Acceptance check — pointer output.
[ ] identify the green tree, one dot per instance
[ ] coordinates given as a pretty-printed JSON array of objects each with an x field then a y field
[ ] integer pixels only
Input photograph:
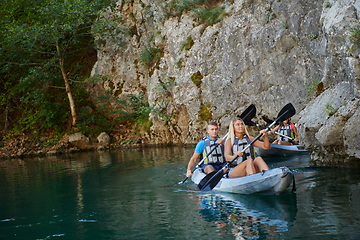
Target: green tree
[{"x": 37, "y": 39}]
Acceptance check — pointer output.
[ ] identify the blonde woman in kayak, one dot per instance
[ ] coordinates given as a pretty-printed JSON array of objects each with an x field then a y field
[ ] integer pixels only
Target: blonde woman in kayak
[{"x": 239, "y": 138}]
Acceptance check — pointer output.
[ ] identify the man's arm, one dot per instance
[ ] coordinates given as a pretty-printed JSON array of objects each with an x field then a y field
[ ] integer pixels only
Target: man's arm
[
  {"x": 220, "y": 141},
  {"x": 192, "y": 163}
]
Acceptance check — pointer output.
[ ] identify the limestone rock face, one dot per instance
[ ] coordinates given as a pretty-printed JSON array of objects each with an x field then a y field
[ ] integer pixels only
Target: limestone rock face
[
  {"x": 327, "y": 125},
  {"x": 315, "y": 116},
  {"x": 268, "y": 53},
  {"x": 351, "y": 135}
]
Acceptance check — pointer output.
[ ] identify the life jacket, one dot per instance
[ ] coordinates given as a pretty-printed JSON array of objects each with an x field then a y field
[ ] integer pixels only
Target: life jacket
[
  {"x": 216, "y": 156},
  {"x": 240, "y": 145},
  {"x": 287, "y": 131}
]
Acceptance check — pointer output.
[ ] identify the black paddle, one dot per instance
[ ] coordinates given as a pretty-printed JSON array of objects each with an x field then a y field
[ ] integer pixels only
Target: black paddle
[
  {"x": 213, "y": 178},
  {"x": 247, "y": 115},
  {"x": 268, "y": 120},
  {"x": 209, "y": 183}
]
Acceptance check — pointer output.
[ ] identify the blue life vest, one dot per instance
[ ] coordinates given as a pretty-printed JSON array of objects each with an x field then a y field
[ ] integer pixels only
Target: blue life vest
[
  {"x": 216, "y": 156},
  {"x": 240, "y": 145}
]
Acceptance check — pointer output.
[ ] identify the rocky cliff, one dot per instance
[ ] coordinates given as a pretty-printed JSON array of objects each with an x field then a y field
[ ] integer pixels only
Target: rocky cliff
[{"x": 264, "y": 52}]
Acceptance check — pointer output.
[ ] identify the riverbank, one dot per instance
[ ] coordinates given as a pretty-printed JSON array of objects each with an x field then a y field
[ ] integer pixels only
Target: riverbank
[{"x": 22, "y": 145}]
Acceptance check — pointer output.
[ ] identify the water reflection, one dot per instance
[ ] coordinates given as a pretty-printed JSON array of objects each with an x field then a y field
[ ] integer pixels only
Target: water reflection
[
  {"x": 80, "y": 204},
  {"x": 249, "y": 216},
  {"x": 120, "y": 195}
]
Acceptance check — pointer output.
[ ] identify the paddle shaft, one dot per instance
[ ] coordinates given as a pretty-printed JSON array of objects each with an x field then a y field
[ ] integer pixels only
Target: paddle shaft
[
  {"x": 284, "y": 136},
  {"x": 202, "y": 160}
]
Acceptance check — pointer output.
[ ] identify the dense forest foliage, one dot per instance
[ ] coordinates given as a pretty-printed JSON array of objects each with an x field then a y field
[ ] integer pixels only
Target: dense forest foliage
[{"x": 47, "y": 50}]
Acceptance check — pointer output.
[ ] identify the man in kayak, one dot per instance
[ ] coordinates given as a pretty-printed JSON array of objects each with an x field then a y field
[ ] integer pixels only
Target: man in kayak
[
  {"x": 287, "y": 133},
  {"x": 239, "y": 138},
  {"x": 213, "y": 161}
]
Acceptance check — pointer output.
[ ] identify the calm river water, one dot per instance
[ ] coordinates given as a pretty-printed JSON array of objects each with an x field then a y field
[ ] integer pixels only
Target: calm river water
[{"x": 125, "y": 194}]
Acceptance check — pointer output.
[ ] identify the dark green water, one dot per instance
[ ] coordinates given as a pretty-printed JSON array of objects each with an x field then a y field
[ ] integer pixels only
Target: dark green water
[{"x": 125, "y": 195}]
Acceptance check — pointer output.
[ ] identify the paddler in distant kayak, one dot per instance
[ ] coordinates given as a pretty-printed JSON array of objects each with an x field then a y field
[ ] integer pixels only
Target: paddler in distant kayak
[
  {"x": 239, "y": 138},
  {"x": 215, "y": 160},
  {"x": 287, "y": 133}
]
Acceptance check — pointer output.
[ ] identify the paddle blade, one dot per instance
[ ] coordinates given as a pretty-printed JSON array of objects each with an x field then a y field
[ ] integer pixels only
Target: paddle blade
[
  {"x": 181, "y": 182},
  {"x": 286, "y": 112},
  {"x": 210, "y": 181},
  {"x": 249, "y": 113},
  {"x": 267, "y": 120},
  {"x": 250, "y": 123}
]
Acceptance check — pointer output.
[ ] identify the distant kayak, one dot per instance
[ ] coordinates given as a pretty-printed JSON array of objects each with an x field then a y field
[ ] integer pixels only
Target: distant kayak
[
  {"x": 272, "y": 182},
  {"x": 277, "y": 150}
]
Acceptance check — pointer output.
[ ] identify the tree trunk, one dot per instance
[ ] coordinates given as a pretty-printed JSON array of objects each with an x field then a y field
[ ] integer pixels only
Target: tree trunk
[{"x": 67, "y": 85}]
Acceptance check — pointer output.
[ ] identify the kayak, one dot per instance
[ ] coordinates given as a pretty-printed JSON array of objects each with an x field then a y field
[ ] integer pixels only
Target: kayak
[
  {"x": 272, "y": 182},
  {"x": 277, "y": 150}
]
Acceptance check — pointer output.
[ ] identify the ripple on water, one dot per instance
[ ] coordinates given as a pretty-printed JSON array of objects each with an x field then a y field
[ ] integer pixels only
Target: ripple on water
[
  {"x": 8, "y": 220},
  {"x": 87, "y": 220}
]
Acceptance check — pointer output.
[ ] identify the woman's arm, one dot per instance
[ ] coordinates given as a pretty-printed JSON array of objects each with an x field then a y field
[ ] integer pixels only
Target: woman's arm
[
  {"x": 296, "y": 139},
  {"x": 296, "y": 133},
  {"x": 265, "y": 144},
  {"x": 272, "y": 131}
]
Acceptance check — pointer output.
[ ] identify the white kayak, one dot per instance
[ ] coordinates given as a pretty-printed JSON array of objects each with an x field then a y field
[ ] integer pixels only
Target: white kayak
[
  {"x": 272, "y": 182},
  {"x": 278, "y": 150}
]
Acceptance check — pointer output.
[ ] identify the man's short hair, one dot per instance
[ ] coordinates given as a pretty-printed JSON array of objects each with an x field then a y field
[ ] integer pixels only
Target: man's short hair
[{"x": 212, "y": 123}]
